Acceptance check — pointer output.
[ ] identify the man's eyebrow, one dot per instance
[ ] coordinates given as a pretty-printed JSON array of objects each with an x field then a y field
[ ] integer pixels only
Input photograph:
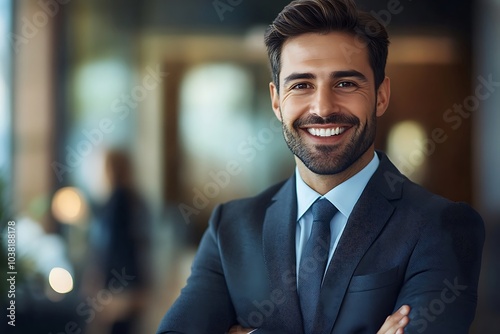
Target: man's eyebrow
[
  {"x": 298, "y": 76},
  {"x": 333, "y": 75},
  {"x": 348, "y": 74}
]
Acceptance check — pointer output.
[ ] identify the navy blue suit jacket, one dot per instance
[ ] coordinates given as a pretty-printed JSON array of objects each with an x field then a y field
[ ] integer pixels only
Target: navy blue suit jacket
[{"x": 401, "y": 245}]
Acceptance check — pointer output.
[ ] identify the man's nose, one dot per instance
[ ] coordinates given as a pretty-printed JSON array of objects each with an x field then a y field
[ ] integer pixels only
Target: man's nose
[{"x": 324, "y": 102}]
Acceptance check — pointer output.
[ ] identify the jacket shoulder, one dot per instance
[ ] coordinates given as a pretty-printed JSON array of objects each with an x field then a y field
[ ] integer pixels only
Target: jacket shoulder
[
  {"x": 396, "y": 186},
  {"x": 247, "y": 211},
  {"x": 261, "y": 200},
  {"x": 429, "y": 203}
]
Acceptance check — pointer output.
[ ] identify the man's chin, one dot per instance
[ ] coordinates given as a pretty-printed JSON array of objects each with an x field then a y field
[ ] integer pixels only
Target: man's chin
[{"x": 321, "y": 168}]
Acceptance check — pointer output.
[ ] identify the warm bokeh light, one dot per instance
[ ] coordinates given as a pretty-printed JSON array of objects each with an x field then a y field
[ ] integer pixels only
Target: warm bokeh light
[
  {"x": 60, "y": 280},
  {"x": 405, "y": 146},
  {"x": 68, "y": 205}
]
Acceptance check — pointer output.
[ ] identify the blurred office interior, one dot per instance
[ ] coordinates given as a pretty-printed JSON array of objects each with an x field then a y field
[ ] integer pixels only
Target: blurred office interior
[{"x": 180, "y": 89}]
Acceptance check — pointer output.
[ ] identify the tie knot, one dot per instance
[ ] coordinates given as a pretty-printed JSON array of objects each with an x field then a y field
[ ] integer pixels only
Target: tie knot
[{"x": 323, "y": 210}]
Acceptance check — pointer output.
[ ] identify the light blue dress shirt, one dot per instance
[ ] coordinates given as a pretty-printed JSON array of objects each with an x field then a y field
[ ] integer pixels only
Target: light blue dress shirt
[{"x": 344, "y": 197}]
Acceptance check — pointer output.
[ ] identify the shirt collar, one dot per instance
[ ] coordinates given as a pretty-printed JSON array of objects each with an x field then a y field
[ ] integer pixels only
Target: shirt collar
[{"x": 344, "y": 196}]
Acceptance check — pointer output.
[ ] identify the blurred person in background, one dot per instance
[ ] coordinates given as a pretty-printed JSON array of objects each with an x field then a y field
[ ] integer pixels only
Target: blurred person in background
[{"x": 117, "y": 272}]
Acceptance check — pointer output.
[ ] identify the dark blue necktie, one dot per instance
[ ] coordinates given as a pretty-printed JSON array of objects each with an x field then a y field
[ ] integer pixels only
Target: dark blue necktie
[{"x": 314, "y": 261}]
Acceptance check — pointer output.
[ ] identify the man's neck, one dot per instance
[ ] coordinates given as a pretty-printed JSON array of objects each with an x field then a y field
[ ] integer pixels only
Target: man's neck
[{"x": 324, "y": 183}]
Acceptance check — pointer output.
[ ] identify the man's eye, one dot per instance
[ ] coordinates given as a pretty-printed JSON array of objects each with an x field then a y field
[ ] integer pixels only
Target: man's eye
[
  {"x": 347, "y": 84},
  {"x": 301, "y": 86}
]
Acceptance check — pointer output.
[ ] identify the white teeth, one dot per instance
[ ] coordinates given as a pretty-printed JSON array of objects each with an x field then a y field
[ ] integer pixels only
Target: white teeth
[{"x": 326, "y": 132}]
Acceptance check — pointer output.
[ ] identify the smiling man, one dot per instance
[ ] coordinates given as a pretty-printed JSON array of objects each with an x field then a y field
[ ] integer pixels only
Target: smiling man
[{"x": 347, "y": 240}]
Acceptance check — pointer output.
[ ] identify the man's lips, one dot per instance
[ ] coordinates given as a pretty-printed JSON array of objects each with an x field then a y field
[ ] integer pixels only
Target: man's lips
[{"x": 326, "y": 131}]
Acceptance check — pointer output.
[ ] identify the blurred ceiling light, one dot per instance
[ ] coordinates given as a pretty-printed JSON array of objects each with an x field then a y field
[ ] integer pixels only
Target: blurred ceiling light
[
  {"x": 68, "y": 205},
  {"x": 60, "y": 280}
]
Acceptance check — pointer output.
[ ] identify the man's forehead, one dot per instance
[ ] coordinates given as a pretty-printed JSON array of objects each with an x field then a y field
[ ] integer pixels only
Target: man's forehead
[{"x": 333, "y": 49}]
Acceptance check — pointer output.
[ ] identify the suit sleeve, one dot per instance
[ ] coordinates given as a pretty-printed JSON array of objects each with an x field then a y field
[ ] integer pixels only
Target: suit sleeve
[
  {"x": 204, "y": 305},
  {"x": 442, "y": 275}
]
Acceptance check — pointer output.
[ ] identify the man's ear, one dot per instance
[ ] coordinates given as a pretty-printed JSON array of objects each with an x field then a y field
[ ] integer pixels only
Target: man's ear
[
  {"x": 275, "y": 100},
  {"x": 383, "y": 96}
]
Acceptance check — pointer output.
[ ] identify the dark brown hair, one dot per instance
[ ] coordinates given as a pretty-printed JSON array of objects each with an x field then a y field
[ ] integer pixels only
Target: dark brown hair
[{"x": 325, "y": 16}]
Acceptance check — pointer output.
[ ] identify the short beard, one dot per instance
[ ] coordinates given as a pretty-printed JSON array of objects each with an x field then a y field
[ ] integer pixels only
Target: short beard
[{"x": 329, "y": 159}]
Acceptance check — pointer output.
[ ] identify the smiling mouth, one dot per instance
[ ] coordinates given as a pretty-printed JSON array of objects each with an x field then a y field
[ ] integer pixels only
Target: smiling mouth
[{"x": 328, "y": 132}]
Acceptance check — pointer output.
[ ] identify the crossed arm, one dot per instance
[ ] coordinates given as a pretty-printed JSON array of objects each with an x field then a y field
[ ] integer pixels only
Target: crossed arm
[{"x": 394, "y": 324}]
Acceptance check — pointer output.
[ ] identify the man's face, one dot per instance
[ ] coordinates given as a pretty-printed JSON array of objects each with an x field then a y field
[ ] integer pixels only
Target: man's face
[{"x": 327, "y": 101}]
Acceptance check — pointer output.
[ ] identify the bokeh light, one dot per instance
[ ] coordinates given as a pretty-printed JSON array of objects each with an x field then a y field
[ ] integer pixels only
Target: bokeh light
[
  {"x": 60, "y": 280},
  {"x": 68, "y": 205},
  {"x": 405, "y": 146}
]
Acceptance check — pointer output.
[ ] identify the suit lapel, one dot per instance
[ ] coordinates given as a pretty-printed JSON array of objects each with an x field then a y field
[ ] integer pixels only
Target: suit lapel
[
  {"x": 367, "y": 219},
  {"x": 279, "y": 254}
]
